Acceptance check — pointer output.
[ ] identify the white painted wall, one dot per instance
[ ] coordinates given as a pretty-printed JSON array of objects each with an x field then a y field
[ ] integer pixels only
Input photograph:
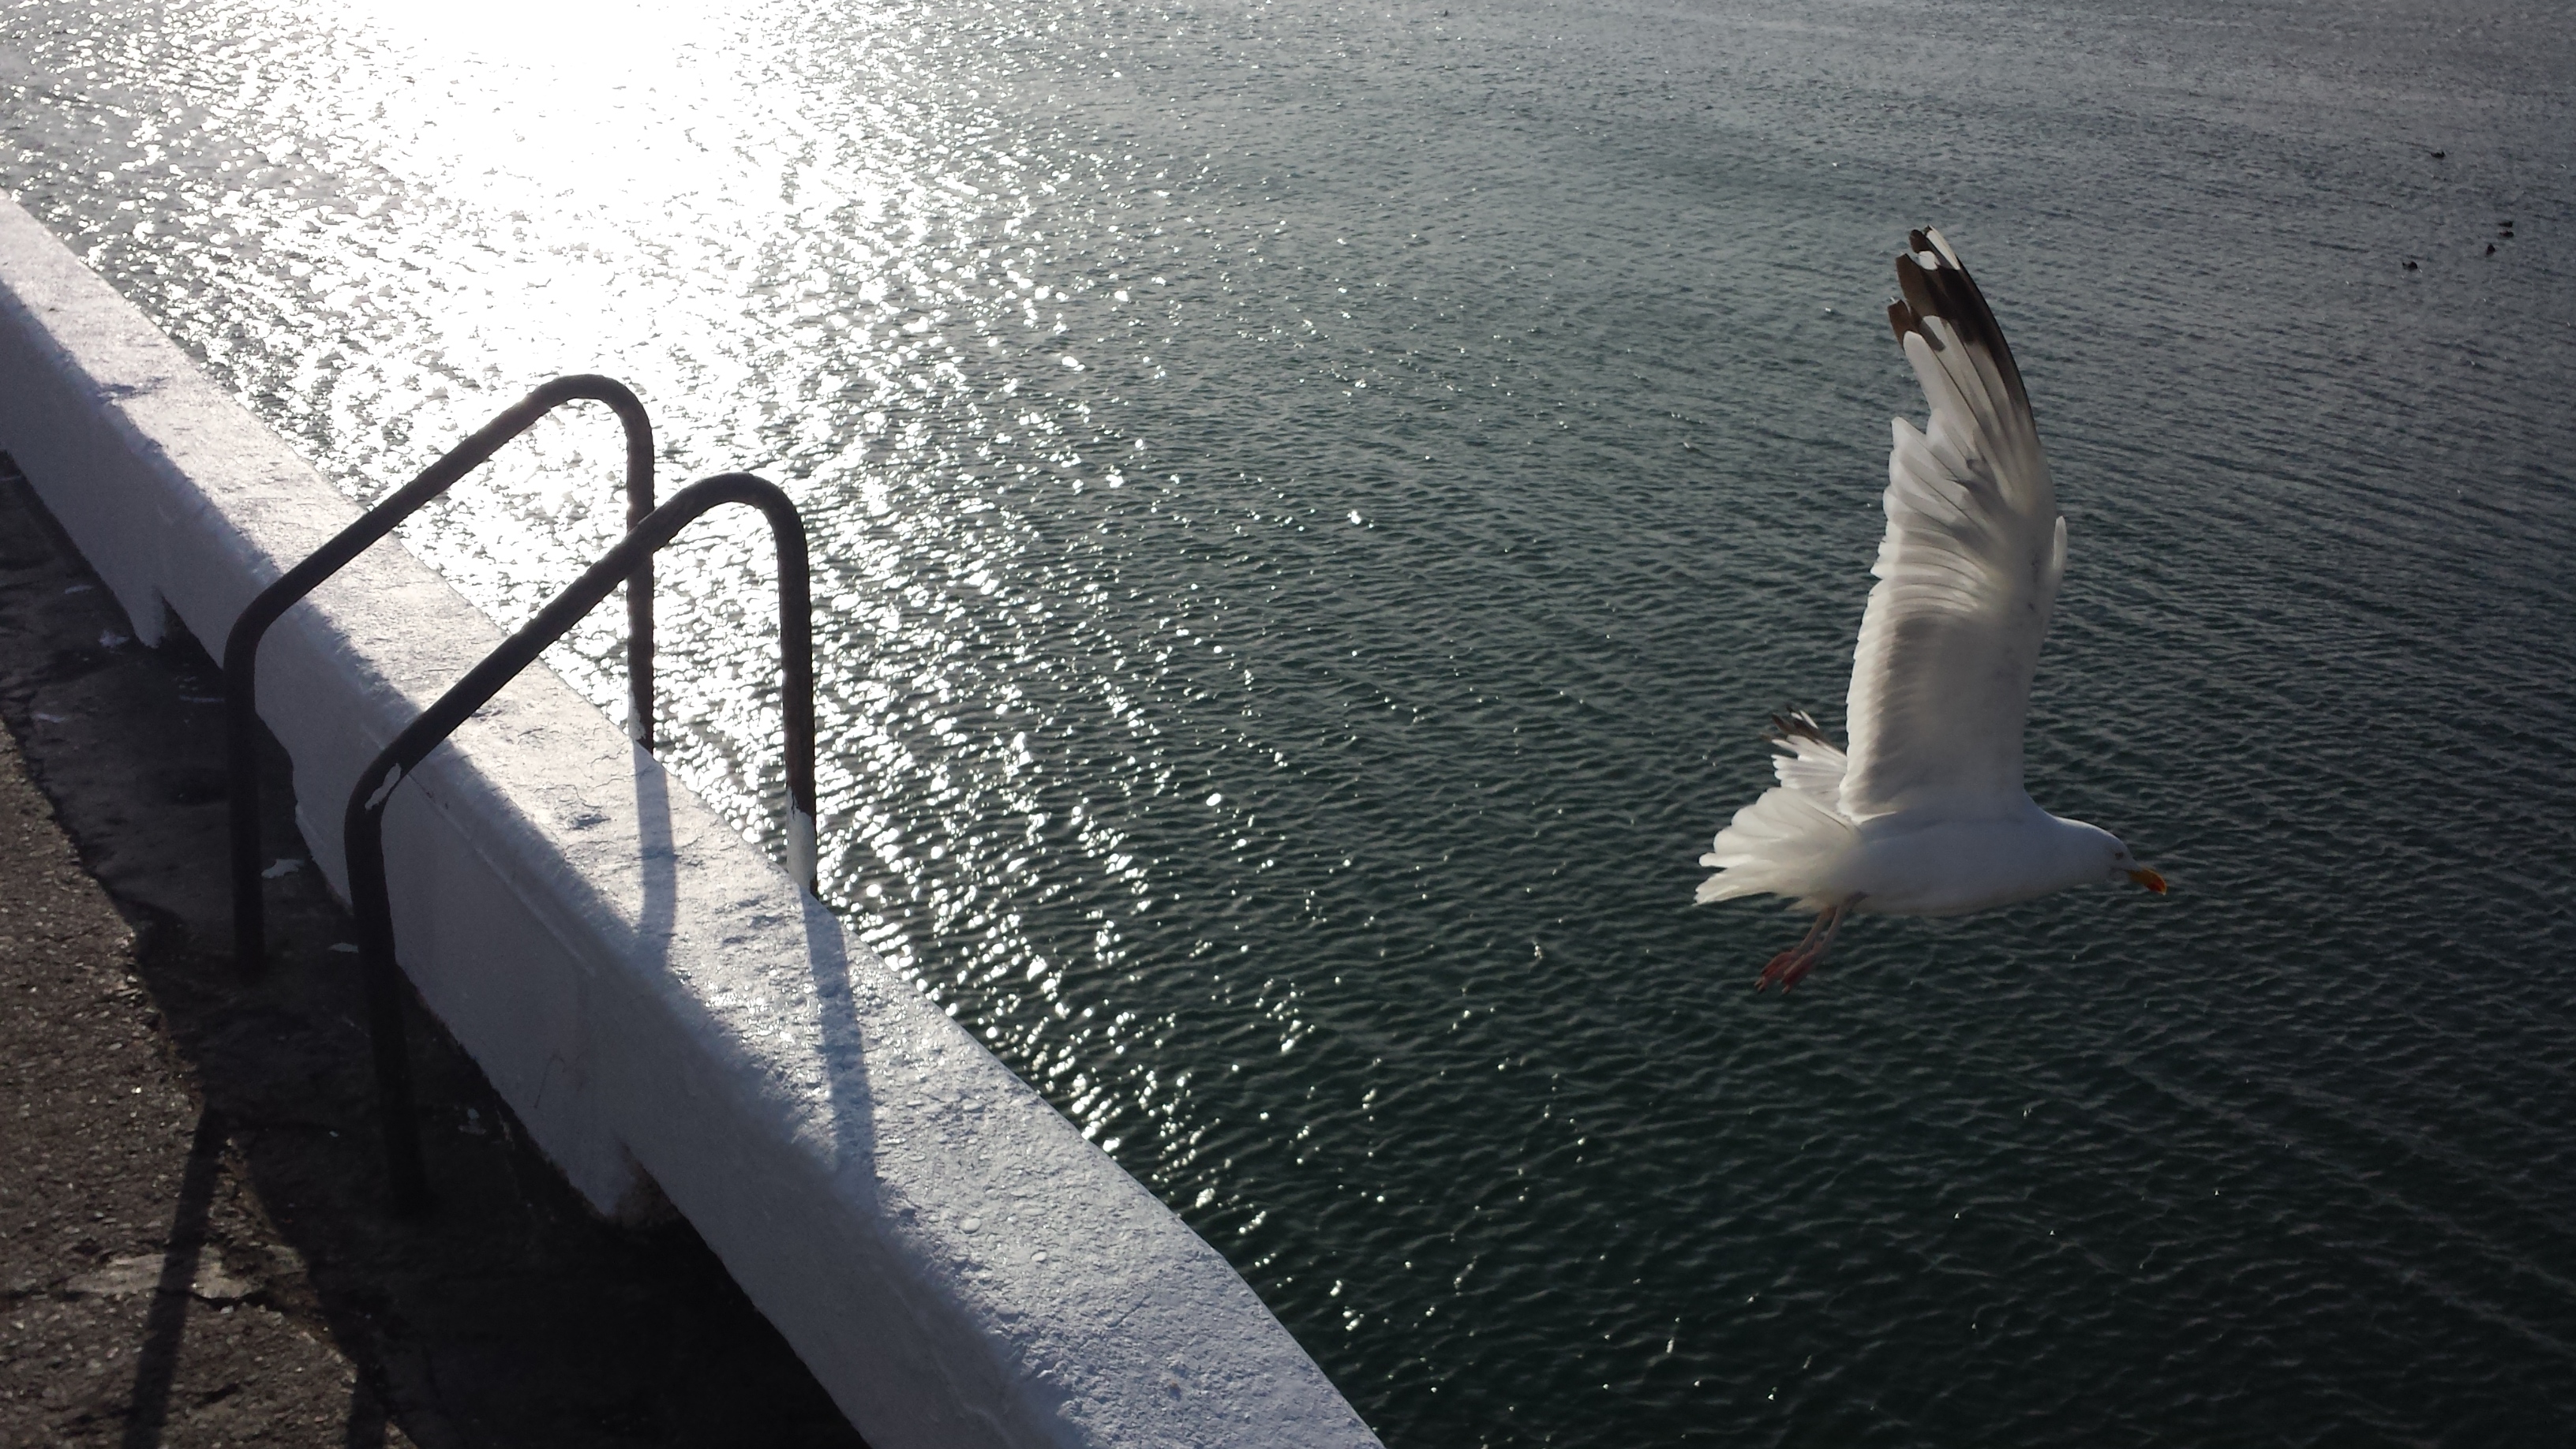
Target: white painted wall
[{"x": 957, "y": 1265}]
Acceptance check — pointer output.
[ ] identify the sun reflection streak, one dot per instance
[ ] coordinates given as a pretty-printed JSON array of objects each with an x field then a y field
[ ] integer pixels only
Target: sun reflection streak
[{"x": 843, "y": 265}]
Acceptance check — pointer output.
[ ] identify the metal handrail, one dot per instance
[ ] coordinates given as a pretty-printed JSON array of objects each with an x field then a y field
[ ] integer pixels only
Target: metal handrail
[
  {"x": 241, "y": 647},
  {"x": 362, "y": 831}
]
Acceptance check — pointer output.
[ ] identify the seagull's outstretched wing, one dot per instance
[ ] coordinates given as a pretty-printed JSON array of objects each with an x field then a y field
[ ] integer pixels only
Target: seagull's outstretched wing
[{"x": 1967, "y": 573}]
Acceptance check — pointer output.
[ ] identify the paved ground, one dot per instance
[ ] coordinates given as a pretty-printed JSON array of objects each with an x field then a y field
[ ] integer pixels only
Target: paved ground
[
  {"x": 193, "y": 1248},
  {"x": 125, "y": 1232}
]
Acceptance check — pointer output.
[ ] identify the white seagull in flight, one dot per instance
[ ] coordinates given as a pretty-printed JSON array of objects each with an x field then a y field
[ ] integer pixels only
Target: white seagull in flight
[{"x": 1924, "y": 814}]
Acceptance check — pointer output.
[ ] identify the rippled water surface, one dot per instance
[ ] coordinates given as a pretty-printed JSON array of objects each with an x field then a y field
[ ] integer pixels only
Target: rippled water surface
[{"x": 1313, "y": 504}]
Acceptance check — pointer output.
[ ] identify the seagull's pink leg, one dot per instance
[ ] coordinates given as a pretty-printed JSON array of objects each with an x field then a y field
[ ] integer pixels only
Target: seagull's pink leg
[
  {"x": 1785, "y": 962},
  {"x": 1810, "y": 957}
]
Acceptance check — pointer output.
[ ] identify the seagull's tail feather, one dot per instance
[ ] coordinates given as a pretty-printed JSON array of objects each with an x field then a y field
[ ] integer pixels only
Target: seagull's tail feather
[
  {"x": 1808, "y": 762},
  {"x": 1787, "y": 843}
]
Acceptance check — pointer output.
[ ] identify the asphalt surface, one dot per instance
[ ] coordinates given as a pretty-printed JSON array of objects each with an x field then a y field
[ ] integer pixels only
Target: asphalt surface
[{"x": 194, "y": 1243}]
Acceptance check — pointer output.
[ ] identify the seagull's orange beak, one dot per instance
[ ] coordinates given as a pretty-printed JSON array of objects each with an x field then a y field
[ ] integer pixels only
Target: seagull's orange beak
[{"x": 2149, "y": 879}]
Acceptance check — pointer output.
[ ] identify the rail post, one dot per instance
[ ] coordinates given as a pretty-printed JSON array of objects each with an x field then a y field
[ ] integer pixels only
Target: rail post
[
  {"x": 241, "y": 647},
  {"x": 363, "y": 822}
]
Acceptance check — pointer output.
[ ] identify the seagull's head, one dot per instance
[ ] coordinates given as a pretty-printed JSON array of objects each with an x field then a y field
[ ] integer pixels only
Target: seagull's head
[{"x": 2124, "y": 866}]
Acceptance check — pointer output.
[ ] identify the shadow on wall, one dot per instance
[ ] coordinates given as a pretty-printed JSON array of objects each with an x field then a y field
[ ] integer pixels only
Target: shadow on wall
[{"x": 510, "y": 1315}]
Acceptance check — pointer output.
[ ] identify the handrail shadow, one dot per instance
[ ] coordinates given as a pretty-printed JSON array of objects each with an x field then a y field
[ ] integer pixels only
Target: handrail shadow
[{"x": 363, "y": 823}]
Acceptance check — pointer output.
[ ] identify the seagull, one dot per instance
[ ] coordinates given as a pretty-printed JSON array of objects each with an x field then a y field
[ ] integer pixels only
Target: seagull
[{"x": 1924, "y": 813}]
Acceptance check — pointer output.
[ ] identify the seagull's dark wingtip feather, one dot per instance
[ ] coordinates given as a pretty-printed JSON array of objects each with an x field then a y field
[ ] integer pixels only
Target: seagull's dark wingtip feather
[
  {"x": 1917, "y": 286},
  {"x": 1945, "y": 290}
]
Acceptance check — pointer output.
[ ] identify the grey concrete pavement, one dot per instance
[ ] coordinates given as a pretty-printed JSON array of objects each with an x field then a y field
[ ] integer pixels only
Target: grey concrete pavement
[{"x": 148, "y": 1298}]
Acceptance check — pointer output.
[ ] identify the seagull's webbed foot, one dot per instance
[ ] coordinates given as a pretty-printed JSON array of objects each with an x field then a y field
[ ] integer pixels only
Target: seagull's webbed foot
[
  {"x": 1782, "y": 965},
  {"x": 1798, "y": 972},
  {"x": 1791, "y": 966}
]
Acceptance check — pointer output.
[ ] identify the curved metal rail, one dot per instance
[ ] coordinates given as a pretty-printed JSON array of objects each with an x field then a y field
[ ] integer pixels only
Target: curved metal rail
[
  {"x": 363, "y": 825},
  {"x": 241, "y": 648}
]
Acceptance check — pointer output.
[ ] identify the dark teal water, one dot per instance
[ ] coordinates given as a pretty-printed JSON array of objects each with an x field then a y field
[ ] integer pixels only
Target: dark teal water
[{"x": 1316, "y": 503}]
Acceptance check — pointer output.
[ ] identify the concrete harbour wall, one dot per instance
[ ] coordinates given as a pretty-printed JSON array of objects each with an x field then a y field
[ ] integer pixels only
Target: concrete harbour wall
[{"x": 656, "y": 1000}]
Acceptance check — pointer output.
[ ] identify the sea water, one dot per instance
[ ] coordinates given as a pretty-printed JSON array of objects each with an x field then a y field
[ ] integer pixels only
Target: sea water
[{"x": 1313, "y": 505}]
